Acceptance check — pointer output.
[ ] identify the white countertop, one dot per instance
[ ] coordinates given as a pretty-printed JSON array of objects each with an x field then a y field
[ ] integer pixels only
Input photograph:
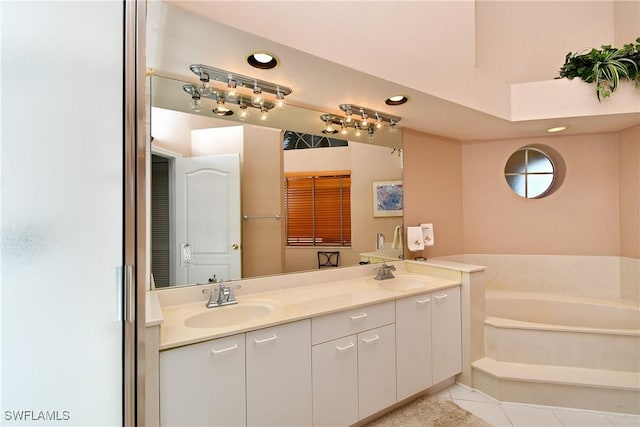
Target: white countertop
[{"x": 291, "y": 304}]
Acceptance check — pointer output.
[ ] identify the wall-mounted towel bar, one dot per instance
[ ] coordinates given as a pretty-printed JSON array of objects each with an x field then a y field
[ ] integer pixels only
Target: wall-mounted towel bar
[{"x": 276, "y": 216}]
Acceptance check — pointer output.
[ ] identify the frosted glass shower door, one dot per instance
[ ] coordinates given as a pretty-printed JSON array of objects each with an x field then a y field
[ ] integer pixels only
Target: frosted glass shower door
[{"x": 61, "y": 212}]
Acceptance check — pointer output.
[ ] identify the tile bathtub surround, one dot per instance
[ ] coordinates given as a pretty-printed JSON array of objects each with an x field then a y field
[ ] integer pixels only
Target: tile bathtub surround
[
  {"x": 505, "y": 414},
  {"x": 608, "y": 277}
]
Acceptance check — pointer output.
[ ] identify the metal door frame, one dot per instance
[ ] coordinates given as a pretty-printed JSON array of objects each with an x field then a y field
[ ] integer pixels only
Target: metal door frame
[{"x": 135, "y": 223}]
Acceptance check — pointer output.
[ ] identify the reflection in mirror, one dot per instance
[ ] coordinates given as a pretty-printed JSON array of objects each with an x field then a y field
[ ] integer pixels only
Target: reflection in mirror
[{"x": 198, "y": 233}]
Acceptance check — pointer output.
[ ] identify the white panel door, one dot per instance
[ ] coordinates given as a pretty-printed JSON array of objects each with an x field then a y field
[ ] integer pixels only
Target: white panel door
[{"x": 207, "y": 218}]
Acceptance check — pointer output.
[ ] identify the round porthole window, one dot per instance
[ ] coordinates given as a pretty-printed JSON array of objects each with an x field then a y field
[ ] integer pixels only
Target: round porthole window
[{"x": 530, "y": 172}]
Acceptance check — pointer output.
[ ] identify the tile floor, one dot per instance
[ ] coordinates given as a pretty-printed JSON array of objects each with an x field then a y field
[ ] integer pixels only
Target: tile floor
[{"x": 504, "y": 414}]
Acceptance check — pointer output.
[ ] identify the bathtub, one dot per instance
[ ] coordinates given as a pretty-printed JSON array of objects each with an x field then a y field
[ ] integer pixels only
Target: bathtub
[{"x": 549, "y": 311}]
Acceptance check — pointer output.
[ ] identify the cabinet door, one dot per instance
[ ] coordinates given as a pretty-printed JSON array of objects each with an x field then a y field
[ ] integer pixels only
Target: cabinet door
[
  {"x": 446, "y": 334},
  {"x": 335, "y": 382},
  {"x": 279, "y": 375},
  {"x": 376, "y": 370},
  {"x": 413, "y": 344},
  {"x": 204, "y": 384}
]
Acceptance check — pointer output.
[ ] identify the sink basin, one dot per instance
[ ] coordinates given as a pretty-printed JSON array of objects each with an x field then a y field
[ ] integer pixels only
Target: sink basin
[
  {"x": 403, "y": 283},
  {"x": 221, "y": 317}
]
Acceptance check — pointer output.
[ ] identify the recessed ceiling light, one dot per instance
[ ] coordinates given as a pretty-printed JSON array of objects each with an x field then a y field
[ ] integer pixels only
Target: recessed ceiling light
[
  {"x": 557, "y": 129},
  {"x": 262, "y": 60},
  {"x": 396, "y": 100}
]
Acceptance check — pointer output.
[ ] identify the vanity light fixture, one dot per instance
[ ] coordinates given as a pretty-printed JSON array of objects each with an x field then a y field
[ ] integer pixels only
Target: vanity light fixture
[
  {"x": 208, "y": 74},
  {"x": 365, "y": 122},
  {"x": 222, "y": 101}
]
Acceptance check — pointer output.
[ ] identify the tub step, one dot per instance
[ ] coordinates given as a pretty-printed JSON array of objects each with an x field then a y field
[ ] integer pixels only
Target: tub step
[
  {"x": 596, "y": 389},
  {"x": 555, "y": 347}
]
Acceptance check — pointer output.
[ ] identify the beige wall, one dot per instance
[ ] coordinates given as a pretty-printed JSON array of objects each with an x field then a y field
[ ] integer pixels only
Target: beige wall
[
  {"x": 262, "y": 239},
  {"x": 433, "y": 190},
  {"x": 580, "y": 218},
  {"x": 629, "y": 178}
]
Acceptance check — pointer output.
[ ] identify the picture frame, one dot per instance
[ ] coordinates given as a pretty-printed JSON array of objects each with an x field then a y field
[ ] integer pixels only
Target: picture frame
[{"x": 387, "y": 198}]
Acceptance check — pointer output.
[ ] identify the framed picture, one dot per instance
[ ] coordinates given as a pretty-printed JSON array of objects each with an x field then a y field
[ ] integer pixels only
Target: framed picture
[{"x": 387, "y": 198}]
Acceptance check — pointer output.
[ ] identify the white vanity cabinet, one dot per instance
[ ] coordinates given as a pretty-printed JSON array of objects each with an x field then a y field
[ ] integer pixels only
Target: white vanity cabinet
[
  {"x": 376, "y": 370},
  {"x": 413, "y": 344},
  {"x": 428, "y": 340},
  {"x": 279, "y": 375},
  {"x": 354, "y": 372},
  {"x": 446, "y": 339},
  {"x": 335, "y": 382},
  {"x": 204, "y": 384}
]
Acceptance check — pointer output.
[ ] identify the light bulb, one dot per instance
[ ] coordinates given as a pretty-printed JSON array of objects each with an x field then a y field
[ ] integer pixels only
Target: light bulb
[
  {"x": 265, "y": 113},
  {"x": 244, "y": 111},
  {"x": 196, "y": 104},
  {"x": 365, "y": 119},
  {"x": 392, "y": 126},
  {"x": 231, "y": 84},
  {"x": 279, "y": 99},
  {"x": 358, "y": 133},
  {"x": 348, "y": 117},
  {"x": 329, "y": 126},
  {"x": 221, "y": 109},
  {"x": 205, "y": 89},
  {"x": 378, "y": 121},
  {"x": 257, "y": 95},
  {"x": 343, "y": 131}
]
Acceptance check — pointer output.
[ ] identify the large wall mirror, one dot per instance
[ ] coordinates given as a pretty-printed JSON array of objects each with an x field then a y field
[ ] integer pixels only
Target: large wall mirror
[{"x": 198, "y": 161}]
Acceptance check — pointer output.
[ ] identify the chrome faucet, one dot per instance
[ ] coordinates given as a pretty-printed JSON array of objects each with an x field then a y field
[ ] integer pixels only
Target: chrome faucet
[
  {"x": 385, "y": 272},
  {"x": 223, "y": 295}
]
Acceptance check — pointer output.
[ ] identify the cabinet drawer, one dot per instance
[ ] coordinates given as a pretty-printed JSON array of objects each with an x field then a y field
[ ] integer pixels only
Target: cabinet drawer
[{"x": 348, "y": 322}]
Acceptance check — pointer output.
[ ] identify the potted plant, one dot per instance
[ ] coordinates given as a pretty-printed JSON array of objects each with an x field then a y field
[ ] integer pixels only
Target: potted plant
[{"x": 605, "y": 67}]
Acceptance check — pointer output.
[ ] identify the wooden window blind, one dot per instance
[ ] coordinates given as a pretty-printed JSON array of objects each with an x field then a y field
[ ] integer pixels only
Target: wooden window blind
[{"x": 318, "y": 208}]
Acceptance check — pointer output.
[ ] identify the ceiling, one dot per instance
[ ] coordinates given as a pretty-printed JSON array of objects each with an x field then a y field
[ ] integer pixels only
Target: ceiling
[{"x": 458, "y": 61}]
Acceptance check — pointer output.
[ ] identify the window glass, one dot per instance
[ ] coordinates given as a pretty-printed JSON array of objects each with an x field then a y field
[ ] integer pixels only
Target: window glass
[{"x": 529, "y": 172}]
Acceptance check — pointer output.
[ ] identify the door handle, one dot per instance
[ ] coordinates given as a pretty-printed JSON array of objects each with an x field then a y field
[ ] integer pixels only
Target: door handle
[{"x": 235, "y": 246}]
